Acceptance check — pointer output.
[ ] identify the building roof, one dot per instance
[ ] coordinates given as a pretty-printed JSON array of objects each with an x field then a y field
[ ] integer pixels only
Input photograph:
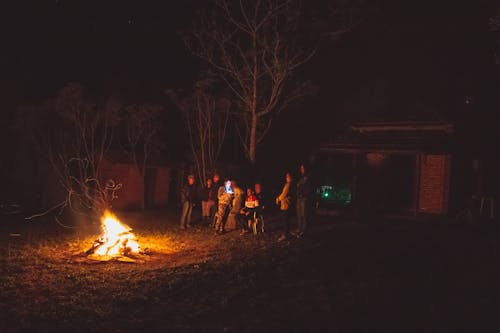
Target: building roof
[{"x": 397, "y": 137}]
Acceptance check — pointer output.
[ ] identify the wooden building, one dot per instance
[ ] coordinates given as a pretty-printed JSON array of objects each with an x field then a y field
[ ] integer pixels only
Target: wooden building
[
  {"x": 153, "y": 187},
  {"x": 402, "y": 168}
]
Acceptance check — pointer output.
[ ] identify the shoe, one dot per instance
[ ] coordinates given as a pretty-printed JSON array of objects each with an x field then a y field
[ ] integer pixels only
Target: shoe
[
  {"x": 243, "y": 232},
  {"x": 182, "y": 227}
]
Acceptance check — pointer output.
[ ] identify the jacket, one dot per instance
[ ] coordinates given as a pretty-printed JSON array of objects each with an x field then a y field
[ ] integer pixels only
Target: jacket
[
  {"x": 284, "y": 200},
  {"x": 251, "y": 202},
  {"x": 261, "y": 200},
  {"x": 224, "y": 198},
  {"x": 303, "y": 187},
  {"x": 188, "y": 194},
  {"x": 237, "y": 200},
  {"x": 208, "y": 194},
  {"x": 216, "y": 187}
]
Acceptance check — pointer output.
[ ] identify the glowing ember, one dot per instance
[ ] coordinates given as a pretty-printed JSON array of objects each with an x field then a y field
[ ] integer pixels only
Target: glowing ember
[{"x": 116, "y": 238}]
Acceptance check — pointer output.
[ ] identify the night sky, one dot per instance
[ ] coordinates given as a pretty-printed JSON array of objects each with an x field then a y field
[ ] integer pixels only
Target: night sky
[{"x": 406, "y": 60}]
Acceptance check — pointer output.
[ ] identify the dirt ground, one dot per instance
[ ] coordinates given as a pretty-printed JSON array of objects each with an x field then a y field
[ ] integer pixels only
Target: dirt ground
[{"x": 342, "y": 277}]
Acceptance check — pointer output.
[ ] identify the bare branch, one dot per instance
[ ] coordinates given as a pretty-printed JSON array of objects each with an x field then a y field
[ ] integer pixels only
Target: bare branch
[
  {"x": 254, "y": 49},
  {"x": 206, "y": 118},
  {"x": 74, "y": 152}
]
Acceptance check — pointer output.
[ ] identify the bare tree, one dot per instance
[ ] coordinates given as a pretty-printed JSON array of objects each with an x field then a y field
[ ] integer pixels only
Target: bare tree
[
  {"x": 75, "y": 134},
  {"x": 141, "y": 126},
  {"x": 206, "y": 119},
  {"x": 251, "y": 46}
]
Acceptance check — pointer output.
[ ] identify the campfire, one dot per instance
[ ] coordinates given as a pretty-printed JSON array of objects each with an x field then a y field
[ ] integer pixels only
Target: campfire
[{"x": 115, "y": 240}]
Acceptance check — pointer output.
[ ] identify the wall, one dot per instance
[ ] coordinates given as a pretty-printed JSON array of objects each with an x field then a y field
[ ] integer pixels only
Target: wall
[
  {"x": 132, "y": 191},
  {"x": 434, "y": 184}
]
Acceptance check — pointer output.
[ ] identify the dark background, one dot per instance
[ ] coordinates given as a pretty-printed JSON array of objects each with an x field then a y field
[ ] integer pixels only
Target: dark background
[{"x": 406, "y": 60}]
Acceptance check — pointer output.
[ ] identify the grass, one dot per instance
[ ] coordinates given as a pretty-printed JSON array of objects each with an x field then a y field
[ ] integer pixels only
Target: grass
[{"x": 343, "y": 277}]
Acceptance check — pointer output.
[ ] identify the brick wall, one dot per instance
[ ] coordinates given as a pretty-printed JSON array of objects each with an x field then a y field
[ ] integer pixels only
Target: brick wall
[{"x": 434, "y": 187}]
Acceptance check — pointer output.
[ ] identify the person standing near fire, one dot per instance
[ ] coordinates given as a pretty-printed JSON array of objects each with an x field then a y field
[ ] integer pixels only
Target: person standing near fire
[
  {"x": 213, "y": 210},
  {"x": 284, "y": 200},
  {"x": 260, "y": 197},
  {"x": 187, "y": 196},
  {"x": 225, "y": 198},
  {"x": 303, "y": 197},
  {"x": 236, "y": 205},
  {"x": 208, "y": 195},
  {"x": 262, "y": 203}
]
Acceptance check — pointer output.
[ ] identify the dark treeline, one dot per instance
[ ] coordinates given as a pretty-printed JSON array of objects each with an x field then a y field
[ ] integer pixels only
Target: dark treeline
[{"x": 405, "y": 61}]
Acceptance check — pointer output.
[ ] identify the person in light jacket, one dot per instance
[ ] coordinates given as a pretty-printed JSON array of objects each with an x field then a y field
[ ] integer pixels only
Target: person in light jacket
[
  {"x": 236, "y": 205},
  {"x": 284, "y": 200},
  {"x": 225, "y": 198}
]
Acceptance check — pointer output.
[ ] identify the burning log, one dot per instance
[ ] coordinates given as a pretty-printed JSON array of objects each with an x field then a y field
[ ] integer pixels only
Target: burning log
[
  {"x": 116, "y": 239},
  {"x": 97, "y": 244}
]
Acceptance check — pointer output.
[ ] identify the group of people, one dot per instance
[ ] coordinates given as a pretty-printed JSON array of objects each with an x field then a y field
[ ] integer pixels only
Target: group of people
[{"x": 225, "y": 204}]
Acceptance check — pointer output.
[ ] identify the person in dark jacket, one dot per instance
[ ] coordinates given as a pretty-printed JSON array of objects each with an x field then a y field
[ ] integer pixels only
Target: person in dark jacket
[
  {"x": 303, "y": 194},
  {"x": 208, "y": 196},
  {"x": 262, "y": 204},
  {"x": 188, "y": 194},
  {"x": 260, "y": 196},
  {"x": 216, "y": 184}
]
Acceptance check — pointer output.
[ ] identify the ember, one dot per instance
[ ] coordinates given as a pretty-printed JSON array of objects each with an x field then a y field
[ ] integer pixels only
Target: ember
[{"x": 116, "y": 238}]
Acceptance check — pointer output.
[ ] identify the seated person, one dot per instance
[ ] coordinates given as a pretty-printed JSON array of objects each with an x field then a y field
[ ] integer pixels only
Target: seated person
[{"x": 251, "y": 206}]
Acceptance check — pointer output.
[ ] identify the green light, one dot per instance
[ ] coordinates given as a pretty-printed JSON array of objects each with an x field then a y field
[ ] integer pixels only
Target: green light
[{"x": 336, "y": 195}]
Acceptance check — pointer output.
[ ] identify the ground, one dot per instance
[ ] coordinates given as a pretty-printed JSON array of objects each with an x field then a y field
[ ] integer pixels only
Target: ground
[{"x": 385, "y": 276}]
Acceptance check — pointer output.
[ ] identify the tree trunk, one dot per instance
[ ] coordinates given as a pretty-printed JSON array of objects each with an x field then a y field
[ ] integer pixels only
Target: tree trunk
[{"x": 252, "y": 139}]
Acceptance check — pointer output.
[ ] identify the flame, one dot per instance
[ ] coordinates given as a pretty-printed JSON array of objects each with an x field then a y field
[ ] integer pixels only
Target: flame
[{"x": 116, "y": 238}]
